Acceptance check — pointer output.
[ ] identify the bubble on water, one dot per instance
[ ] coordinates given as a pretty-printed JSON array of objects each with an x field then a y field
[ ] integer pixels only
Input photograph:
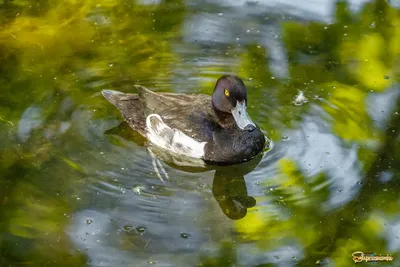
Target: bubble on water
[
  {"x": 127, "y": 228},
  {"x": 185, "y": 235},
  {"x": 237, "y": 38},
  {"x": 294, "y": 258},
  {"x": 326, "y": 27},
  {"x": 141, "y": 229},
  {"x": 111, "y": 64},
  {"x": 89, "y": 221},
  {"x": 285, "y": 138},
  {"x": 220, "y": 14},
  {"x": 318, "y": 262},
  {"x": 151, "y": 262},
  {"x": 137, "y": 189},
  {"x": 248, "y": 31},
  {"x": 201, "y": 185},
  {"x": 372, "y": 25},
  {"x": 300, "y": 99}
]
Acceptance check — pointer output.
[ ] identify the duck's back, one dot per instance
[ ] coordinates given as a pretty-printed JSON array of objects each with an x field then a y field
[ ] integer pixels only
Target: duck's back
[{"x": 191, "y": 114}]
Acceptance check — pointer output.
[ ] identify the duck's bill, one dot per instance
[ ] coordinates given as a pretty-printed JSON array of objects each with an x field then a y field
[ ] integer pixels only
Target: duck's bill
[{"x": 242, "y": 118}]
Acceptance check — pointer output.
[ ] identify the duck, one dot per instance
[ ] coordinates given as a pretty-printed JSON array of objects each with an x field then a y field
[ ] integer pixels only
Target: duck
[{"x": 215, "y": 129}]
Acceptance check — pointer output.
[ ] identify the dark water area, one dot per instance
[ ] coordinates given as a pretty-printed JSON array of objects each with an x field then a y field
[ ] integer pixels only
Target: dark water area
[{"x": 78, "y": 187}]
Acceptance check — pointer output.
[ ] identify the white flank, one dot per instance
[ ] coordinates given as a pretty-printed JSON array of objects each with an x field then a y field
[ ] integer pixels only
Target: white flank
[{"x": 172, "y": 140}]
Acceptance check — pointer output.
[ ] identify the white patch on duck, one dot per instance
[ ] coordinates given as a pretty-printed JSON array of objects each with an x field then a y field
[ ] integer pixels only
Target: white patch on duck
[{"x": 173, "y": 140}]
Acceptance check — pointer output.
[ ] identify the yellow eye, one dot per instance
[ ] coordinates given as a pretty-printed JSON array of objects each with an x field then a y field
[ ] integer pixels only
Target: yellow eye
[{"x": 226, "y": 92}]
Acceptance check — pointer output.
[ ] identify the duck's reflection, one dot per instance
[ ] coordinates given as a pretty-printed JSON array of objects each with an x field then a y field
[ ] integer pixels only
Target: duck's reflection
[
  {"x": 231, "y": 194},
  {"x": 229, "y": 186}
]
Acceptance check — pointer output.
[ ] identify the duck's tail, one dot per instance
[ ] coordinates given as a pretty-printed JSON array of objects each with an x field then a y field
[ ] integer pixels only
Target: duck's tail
[
  {"x": 130, "y": 107},
  {"x": 112, "y": 96}
]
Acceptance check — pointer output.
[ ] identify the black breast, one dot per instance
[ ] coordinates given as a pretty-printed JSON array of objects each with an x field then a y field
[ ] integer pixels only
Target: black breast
[
  {"x": 230, "y": 146},
  {"x": 201, "y": 126}
]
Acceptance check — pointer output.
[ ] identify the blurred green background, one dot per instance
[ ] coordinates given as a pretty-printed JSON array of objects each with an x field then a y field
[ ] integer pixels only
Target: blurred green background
[{"x": 78, "y": 189}]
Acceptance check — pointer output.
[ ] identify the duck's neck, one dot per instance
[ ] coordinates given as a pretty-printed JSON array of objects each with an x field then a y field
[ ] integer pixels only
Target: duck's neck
[{"x": 225, "y": 119}]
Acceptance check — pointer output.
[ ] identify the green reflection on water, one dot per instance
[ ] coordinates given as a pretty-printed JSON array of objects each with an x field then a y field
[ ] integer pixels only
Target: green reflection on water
[{"x": 57, "y": 55}]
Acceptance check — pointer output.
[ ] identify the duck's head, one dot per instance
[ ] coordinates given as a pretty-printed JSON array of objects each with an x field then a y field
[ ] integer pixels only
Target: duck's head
[{"x": 230, "y": 97}]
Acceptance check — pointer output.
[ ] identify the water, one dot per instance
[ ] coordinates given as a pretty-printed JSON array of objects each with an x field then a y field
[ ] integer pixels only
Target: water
[{"x": 77, "y": 186}]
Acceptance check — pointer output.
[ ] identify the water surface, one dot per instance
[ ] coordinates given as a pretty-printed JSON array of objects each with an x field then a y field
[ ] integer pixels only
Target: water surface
[{"x": 78, "y": 187}]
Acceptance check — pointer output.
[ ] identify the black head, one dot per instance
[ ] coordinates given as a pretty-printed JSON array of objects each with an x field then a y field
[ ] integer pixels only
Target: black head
[{"x": 230, "y": 97}]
